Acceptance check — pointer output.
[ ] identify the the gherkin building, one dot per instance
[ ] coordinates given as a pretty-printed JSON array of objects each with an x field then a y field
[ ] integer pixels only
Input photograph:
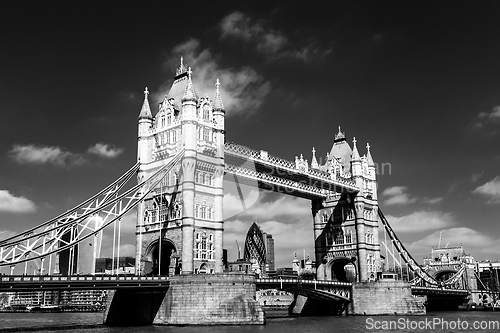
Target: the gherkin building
[{"x": 255, "y": 247}]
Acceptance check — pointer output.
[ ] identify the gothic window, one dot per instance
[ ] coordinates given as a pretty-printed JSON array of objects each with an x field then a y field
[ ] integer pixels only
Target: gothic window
[
  {"x": 348, "y": 237},
  {"x": 162, "y": 121},
  {"x": 173, "y": 136},
  {"x": 202, "y": 178},
  {"x": 206, "y": 113},
  {"x": 206, "y": 135},
  {"x": 203, "y": 212},
  {"x": 339, "y": 239},
  {"x": 196, "y": 211},
  {"x": 167, "y": 135},
  {"x": 209, "y": 214},
  {"x": 169, "y": 119},
  {"x": 199, "y": 132},
  {"x": 325, "y": 217},
  {"x": 211, "y": 239}
]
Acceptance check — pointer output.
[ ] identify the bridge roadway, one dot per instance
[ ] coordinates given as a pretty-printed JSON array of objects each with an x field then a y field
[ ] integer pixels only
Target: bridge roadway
[{"x": 12, "y": 283}]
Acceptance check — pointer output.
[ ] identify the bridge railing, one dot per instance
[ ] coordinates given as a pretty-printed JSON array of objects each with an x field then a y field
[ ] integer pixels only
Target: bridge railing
[
  {"x": 306, "y": 282},
  {"x": 94, "y": 278}
]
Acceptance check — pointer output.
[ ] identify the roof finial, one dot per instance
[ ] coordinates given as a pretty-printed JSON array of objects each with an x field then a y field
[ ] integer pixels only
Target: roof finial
[
  {"x": 182, "y": 64},
  {"x": 314, "y": 162},
  {"x": 189, "y": 93},
  {"x": 368, "y": 147},
  {"x": 218, "y": 99},
  {"x": 355, "y": 153},
  {"x": 145, "y": 110},
  {"x": 339, "y": 136}
]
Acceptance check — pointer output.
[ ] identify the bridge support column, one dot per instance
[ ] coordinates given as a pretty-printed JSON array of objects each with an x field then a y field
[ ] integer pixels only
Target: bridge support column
[
  {"x": 384, "y": 298},
  {"x": 206, "y": 299}
]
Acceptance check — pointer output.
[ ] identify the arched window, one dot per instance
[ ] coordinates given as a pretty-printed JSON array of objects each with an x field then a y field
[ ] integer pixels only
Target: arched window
[
  {"x": 162, "y": 121},
  {"x": 348, "y": 237},
  {"x": 206, "y": 135},
  {"x": 206, "y": 113},
  {"x": 169, "y": 119}
]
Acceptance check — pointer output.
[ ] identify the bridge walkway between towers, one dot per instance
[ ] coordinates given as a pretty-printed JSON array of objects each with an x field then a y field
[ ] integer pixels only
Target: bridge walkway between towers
[{"x": 277, "y": 174}]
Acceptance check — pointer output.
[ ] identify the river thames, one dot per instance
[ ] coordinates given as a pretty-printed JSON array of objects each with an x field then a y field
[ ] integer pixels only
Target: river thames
[{"x": 278, "y": 323}]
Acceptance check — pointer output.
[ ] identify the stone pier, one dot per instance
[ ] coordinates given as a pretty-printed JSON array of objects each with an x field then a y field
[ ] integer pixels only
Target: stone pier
[
  {"x": 220, "y": 299},
  {"x": 390, "y": 297}
]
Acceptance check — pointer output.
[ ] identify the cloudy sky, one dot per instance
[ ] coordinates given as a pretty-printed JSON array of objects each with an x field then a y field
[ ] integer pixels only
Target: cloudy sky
[{"x": 419, "y": 81}]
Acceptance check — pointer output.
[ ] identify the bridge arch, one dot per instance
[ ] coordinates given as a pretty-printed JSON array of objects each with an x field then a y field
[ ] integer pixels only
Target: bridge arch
[
  {"x": 444, "y": 274},
  {"x": 165, "y": 262},
  {"x": 341, "y": 269}
]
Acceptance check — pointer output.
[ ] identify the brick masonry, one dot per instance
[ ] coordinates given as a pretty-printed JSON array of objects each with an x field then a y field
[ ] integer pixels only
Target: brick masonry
[{"x": 384, "y": 298}]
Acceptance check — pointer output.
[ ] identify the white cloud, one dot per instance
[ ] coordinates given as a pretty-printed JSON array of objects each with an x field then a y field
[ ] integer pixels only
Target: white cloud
[
  {"x": 242, "y": 89},
  {"x": 490, "y": 190},
  {"x": 38, "y": 154},
  {"x": 4, "y": 234},
  {"x": 283, "y": 207},
  {"x": 432, "y": 201},
  {"x": 272, "y": 43},
  {"x": 12, "y": 204},
  {"x": 105, "y": 150},
  {"x": 396, "y": 196},
  {"x": 479, "y": 245},
  {"x": 421, "y": 221},
  {"x": 494, "y": 114}
]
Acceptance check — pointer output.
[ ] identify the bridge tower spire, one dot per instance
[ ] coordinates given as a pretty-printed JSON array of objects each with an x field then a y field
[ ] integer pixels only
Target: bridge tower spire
[{"x": 144, "y": 135}]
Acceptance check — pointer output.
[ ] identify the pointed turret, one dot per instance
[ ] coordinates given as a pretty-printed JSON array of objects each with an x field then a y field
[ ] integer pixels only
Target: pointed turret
[
  {"x": 356, "y": 167},
  {"x": 314, "y": 162},
  {"x": 145, "y": 110},
  {"x": 218, "y": 99},
  {"x": 189, "y": 93},
  {"x": 369, "y": 158},
  {"x": 355, "y": 153}
]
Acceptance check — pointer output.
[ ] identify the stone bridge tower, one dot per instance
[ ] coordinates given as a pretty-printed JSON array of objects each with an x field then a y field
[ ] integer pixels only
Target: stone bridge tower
[
  {"x": 346, "y": 225},
  {"x": 179, "y": 226}
]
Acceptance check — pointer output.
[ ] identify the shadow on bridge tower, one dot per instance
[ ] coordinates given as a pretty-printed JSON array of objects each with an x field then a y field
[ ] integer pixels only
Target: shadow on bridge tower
[{"x": 346, "y": 225}]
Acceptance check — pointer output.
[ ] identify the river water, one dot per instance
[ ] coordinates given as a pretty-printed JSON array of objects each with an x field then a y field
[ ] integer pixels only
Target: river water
[{"x": 278, "y": 323}]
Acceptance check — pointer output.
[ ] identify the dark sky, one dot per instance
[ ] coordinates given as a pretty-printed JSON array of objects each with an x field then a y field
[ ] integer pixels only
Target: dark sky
[{"x": 418, "y": 80}]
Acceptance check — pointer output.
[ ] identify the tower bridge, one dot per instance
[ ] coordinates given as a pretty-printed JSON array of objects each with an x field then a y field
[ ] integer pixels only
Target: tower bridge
[{"x": 182, "y": 161}]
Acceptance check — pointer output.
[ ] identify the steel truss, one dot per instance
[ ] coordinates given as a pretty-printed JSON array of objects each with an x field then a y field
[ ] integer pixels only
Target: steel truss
[
  {"x": 83, "y": 221},
  {"x": 423, "y": 278}
]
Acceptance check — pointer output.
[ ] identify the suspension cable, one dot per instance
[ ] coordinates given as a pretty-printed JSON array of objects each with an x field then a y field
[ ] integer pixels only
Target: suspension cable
[{"x": 17, "y": 253}]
